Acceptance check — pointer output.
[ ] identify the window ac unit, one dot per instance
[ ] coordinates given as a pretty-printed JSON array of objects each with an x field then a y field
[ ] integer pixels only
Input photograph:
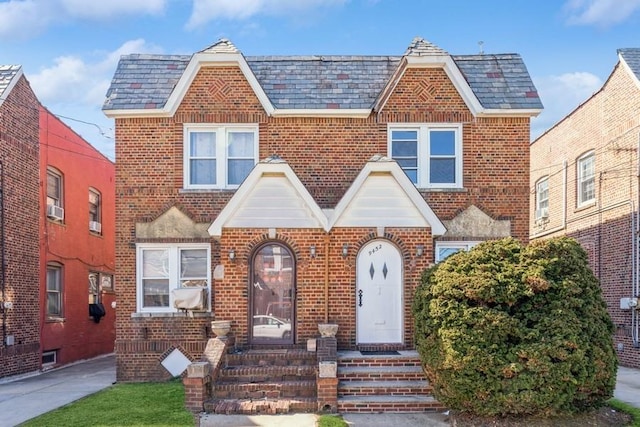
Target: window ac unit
[
  {"x": 55, "y": 212},
  {"x": 191, "y": 299},
  {"x": 95, "y": 226},
  {"x": 542, "y": 213}
]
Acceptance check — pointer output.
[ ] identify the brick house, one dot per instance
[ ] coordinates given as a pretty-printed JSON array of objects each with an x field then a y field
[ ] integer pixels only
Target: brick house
[
  {"x": 77, "y": 247},
  {"x": 57, "y": 230},
  {"x": 584, "y": 181},
  {"x": 19, "y": 224},
  {"x": 304, "y": 190}
]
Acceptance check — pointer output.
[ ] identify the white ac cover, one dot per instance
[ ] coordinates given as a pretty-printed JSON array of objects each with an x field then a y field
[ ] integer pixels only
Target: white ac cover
[{"x": 194, "y": 299}]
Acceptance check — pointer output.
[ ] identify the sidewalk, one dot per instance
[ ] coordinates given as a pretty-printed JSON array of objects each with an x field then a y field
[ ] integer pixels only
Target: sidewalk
[
  {"x": 28, "y": 397},
  {"x": 24, "y": 398}
]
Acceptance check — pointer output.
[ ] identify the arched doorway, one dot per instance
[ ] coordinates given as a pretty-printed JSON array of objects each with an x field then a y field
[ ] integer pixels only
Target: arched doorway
[
  {"x": 272, "y": 295},
  {"x": 379, "y": 294}
]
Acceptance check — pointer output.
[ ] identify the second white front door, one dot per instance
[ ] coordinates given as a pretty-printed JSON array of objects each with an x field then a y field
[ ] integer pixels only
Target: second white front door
[{"x": 379, "y": 294}]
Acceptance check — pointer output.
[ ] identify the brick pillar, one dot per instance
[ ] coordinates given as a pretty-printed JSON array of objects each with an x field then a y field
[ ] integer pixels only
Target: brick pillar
[
  {"x": 326, "y": 380},
  {"x": 197, "y": 386}
]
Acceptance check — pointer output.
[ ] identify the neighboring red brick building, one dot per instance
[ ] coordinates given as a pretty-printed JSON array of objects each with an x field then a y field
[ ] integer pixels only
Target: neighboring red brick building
[
  {"x": 374, "y": 168},
  {"x": 584, "y": 178},
  {"x": 57, "y": 228},
  {"x": 19, "y": 224},
  {"x": 77, "y": 246}
]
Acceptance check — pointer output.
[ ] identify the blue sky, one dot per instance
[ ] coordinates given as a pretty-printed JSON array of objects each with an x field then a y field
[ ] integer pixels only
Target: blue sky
[{"x": 69, "y": 48}]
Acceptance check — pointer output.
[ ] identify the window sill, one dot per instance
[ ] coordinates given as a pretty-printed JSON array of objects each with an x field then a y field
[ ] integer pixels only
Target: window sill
[
  {"x": 205, "y": 190},
  {"x": 196, "y": 314},
  {"x": 443, "y": 190},
  {"x": 585, "y": 206},
  {"x": 55, "y": 319}
]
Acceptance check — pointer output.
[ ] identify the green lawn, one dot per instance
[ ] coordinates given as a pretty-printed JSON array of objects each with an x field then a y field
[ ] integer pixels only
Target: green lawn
[{"x": 143, "y": 404}]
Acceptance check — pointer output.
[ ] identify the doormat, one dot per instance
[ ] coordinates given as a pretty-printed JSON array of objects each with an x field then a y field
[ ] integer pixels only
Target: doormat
[{"x": 379, "y": 353}]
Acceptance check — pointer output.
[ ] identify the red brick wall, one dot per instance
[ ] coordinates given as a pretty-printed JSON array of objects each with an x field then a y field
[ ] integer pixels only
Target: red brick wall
[
  {"x": 20, "y": 194},
  {"x": 326, "y": 154},
  {"x": 76, "y": 336},
  {"x": 609, "y": 124}
]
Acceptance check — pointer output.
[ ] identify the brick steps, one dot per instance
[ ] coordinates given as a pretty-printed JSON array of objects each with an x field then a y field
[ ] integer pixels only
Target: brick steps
[
  {"x": 370, "y": 384},
  {"x": 265, "y": 382}
]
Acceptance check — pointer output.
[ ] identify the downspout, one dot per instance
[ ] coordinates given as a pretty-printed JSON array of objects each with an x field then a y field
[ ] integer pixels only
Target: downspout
[
  {"x": 635, "y": 286},
  {"x": 326, "y": 278},
  {"x": 2, "y": 258}
]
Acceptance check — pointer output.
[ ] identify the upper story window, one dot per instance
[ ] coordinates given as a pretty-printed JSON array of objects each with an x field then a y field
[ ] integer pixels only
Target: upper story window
[
  {"x": 430, "y": 154},
  {"x": 95, "y": 206},
  {"x": 542, "y": 198},
  {"x": 163, "y": 268},
  {"x": 586, "y": 179},
  {"x": 55, "y": 203},
  {"x": 219, "y": 156},
  {"x": 445, "y": 249},
  {"x": 54, "y": 290}
]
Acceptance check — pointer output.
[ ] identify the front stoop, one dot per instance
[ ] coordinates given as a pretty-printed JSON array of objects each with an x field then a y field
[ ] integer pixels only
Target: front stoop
[
  {"x": 265, "y": 382},
  {"x": 371, "y": 384}
]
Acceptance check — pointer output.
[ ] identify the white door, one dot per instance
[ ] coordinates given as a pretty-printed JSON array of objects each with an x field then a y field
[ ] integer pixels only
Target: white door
[{"x": 379, "y": 294}]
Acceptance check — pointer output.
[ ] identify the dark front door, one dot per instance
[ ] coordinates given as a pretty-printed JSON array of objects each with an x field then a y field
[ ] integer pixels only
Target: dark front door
[{"x": 272, "y": 294}]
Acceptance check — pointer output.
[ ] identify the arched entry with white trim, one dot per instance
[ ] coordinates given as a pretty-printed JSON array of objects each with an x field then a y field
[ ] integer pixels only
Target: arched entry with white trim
[{"x": 379, "y": 287}]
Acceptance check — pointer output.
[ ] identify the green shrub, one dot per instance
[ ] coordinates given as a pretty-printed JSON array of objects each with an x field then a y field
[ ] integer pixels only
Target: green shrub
[{"x": 508, "y": 329}]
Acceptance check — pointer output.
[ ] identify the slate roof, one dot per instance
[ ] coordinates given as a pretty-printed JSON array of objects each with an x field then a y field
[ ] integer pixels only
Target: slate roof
[
  {"x": 632, "y": 57},
  {"x": 321, "y": 82},
  {"x": 7, "y": 73}
]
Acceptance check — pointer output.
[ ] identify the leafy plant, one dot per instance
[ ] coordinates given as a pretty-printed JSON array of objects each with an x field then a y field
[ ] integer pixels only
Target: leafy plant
[{"x": 508, "y": 329}]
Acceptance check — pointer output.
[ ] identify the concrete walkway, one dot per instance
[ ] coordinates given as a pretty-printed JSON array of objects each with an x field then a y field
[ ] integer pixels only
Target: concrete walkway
[{"x": 27, "y": 397}]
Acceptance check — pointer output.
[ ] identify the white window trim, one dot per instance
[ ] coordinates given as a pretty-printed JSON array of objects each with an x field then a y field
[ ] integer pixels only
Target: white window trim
[
  {"x": 461, "y": 245},
  {"x": 580, "y": 179},
  {"x": 538, "y": 212},
  {"x": 174, "y": 279},
  {"x": 221, "y": 131},
  {"x": 424, "y": 155}
]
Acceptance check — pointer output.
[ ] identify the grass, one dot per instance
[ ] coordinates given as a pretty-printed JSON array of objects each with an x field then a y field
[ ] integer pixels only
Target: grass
[
  {"x": 141, "y": 404},
  {"x": 625, "y": 407},
  {"x": 331, "y": 421}
]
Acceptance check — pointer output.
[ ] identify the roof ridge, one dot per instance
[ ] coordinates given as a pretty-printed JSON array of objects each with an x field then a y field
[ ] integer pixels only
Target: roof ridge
[
  {"x": 422, "y": 47},
  {"x": 221, "y": 46}
]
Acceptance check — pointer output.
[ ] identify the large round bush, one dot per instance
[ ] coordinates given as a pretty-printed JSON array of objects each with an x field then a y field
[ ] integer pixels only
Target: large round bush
[{"x": 512, "y": 329}]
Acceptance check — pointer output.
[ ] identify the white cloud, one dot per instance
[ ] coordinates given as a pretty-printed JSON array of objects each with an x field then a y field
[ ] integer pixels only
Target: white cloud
[
  {"x": 602, "y": 13},
  {"x": 24, "y": 19},
  {"x": 208, "y": 10},
  {"x": 561, "y": 94},
  {"x": 76, "y": 87}
]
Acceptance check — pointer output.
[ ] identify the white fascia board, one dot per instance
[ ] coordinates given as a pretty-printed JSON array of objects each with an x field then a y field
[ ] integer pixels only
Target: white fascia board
[
  {"x": 522, "y": 112},
  {"x": 437, "y": 228},
  {"x": 115, "y": 114},
  {"x": 261, "y": 169},
  {"x": 12, "y": 83},
  {"x": 629, "y": 70},
  {"x": 361, "y": 113},
  {"x": 386, "y": 92}
]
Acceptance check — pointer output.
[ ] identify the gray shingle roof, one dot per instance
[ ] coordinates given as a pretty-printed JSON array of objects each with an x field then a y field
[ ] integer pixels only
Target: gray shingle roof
[
  {"x": 7, "y": 73},
  {"x": 322, "y": 82},
  {"x": 632, "y": 58}
]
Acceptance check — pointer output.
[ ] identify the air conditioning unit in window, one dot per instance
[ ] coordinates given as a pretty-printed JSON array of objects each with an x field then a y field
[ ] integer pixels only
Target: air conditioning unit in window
[
  {"x": 95, "y": 226},
  {"x": 542, "y": 213},
  {"x": 190, "y": 299},
  {"x": 55, "y": 212}
]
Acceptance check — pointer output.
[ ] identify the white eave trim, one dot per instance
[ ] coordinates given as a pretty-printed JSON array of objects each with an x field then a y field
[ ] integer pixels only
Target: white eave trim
[
  {"x": 12, "y": 83},
  {"x": 629, "y": 70},
  {"x": 391, "y": 167},
  {"x": 522, "y": 112},
  {"x": 322, "y": 112},
  {"x": 215, "y": 229}
]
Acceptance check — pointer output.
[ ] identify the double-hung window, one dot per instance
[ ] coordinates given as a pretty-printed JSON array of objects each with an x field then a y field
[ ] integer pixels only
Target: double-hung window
[
  {"x": 430, "y": 154},
  {"x": 218, "y": 156},
  {"x": 586, "y": 179},
  {"x": 54, "y": 290},
  {"x": 162, "y": 268},
  {"x": 542, "y": 198},
  {"x": 94, "y": 211}
]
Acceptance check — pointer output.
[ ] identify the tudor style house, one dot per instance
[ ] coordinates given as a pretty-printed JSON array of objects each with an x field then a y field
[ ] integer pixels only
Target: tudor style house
[
  {"x": 585, "y": 183},
  {"x": 282, "y": 192}
]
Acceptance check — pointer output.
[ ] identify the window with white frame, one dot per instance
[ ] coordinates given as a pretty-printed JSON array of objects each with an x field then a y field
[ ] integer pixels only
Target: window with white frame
[
  {"x": 445, "y": 249},
  {"x": 54, "y": 188},
  {"x": 542, "y": 198},
  {"x": 586, "y": 179},
  {"x": 430, "y": 154},
  {"x": 218, "y": 156},
  {"x": 95, "y": 207},
  {"x": 54, "y": 290},
  {"x": 162, "y": 268}
]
